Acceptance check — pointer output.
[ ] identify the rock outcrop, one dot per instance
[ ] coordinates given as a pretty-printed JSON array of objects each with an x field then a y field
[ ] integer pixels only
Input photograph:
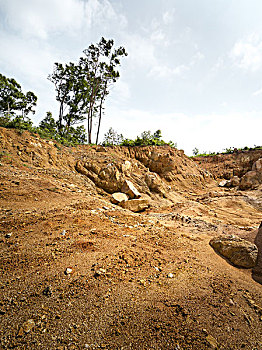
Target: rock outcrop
[
  {"x": 242, "y": 169},
  {"x": 238, "y": 251},
  {"x": 155, "y": 171}
]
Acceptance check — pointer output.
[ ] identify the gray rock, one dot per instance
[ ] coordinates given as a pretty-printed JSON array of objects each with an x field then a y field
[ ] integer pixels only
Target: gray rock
[{"x": 238, "y": 251}]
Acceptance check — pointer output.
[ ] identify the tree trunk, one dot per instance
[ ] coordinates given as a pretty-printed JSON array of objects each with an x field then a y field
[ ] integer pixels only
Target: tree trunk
[{"x": 100, "y": 112}]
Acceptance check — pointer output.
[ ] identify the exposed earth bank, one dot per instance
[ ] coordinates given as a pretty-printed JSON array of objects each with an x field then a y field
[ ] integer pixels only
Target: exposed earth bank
[{"x": 79, "y": 272}]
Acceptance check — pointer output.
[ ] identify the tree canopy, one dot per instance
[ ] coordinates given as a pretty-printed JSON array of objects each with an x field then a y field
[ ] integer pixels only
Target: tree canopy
[
  {"x": 13, "y": 100},
  {"x": 81, "y": 88}
]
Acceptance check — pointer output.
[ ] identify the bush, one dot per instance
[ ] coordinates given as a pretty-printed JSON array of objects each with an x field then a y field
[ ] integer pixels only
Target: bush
[{"x": 148, "y": 139}]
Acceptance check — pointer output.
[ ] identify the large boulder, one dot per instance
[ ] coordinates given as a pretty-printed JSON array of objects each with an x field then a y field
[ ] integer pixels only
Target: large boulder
[
  {"x": 130, "y": 190},
  {"x": 118, "y": 197},
  {"x": 238, "y": 251},
  {"x": 253, "y": 178},
  {"x": 249, "y": 181},
  {"x": 135, "y": 205}
]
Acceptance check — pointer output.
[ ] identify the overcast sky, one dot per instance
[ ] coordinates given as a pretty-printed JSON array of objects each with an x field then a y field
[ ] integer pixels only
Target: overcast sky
[{"x": 193, "y": 70}]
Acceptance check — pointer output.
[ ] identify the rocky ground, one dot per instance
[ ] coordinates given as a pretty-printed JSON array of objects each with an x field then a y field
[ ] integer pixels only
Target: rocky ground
[{"x": 78, "y": 272}]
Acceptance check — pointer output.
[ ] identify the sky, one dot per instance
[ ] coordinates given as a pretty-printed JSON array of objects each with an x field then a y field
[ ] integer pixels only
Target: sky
[{"x": 193, "y": 70}]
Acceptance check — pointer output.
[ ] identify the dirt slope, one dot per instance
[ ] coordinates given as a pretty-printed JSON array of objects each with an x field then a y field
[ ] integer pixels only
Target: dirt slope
[{"x": 139, "y": 280}]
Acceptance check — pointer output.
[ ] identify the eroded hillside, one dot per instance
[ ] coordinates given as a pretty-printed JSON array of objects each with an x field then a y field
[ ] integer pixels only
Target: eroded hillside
[{"x": 80, "y": 272}]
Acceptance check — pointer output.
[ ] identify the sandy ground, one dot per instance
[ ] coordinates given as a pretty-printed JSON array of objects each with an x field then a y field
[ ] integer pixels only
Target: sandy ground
[{"x": 77, "y": 272}]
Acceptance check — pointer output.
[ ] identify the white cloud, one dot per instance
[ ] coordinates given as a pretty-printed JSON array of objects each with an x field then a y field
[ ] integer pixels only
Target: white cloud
[
  {"x": 141, "y": 51},
  {"x": 120, "y": 93},
  {"x": 158, "y": 36},
  {"x": 247, "y": 53},
  {"x": 168, "y": 16},
  {"x": 42, "y": 19},
  {"x": 162, "y": 71},
  {"x": 257, "y": 92}
]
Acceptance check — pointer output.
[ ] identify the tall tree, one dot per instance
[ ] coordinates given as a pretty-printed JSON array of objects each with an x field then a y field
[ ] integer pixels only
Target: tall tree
[
  {"x": 81, "y": 88},
  {"x": 13, "y": 100}
]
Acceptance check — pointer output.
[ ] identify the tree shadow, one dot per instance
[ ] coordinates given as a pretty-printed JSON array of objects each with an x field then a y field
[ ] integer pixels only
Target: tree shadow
[{"x": 257, "y": 270}]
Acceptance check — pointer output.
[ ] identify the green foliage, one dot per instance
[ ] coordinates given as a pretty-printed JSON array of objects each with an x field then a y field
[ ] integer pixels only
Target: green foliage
[
  {"x": 13, "y": 101},
  {"x": 15, "y": 105},
  {"x": 148, "y": 139},
  {"x": 112, "y": 138},
  {"x": 229, "y": 150},
  {"x": 81, "y": 88},
  {"x": 48, "y": 124},
  {"x": 145, "y": 139},
  {"x": 49, "y": 128},
  {"x": 17, "y": 122}
]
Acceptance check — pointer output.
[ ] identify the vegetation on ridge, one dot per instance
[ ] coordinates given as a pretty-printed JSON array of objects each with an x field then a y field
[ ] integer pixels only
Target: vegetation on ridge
[
  {"x": 112, "y": 138},
  {"x": 81, "y": 90}
]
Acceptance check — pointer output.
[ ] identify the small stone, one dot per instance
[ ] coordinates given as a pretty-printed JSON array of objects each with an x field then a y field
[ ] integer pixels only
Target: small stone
[
  {"x": 26, "y": 327},
  {"x": 63, "y": 233},
  {"x": 205, "y": 331},
  {"x": 8, "y": 235},
  {"x": 170, "y": 275},
  {"x": 100, "y": 272},
  {"x": 223, "y": 183},
  {"x": 68, "y": 271}
]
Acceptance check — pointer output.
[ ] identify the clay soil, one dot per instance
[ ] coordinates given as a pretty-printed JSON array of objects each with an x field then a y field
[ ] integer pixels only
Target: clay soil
[{"x": 145, "y": 280}]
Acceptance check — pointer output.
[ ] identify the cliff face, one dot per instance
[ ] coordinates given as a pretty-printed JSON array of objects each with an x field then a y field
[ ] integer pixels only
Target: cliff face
[
  {"x": 153, "y": 170},
  {"x": 228, "y": 165},
  {"x": 157, "y": 172},
  {"x": 21, "y": 148},
  {"x": 242, "y": 169}
]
